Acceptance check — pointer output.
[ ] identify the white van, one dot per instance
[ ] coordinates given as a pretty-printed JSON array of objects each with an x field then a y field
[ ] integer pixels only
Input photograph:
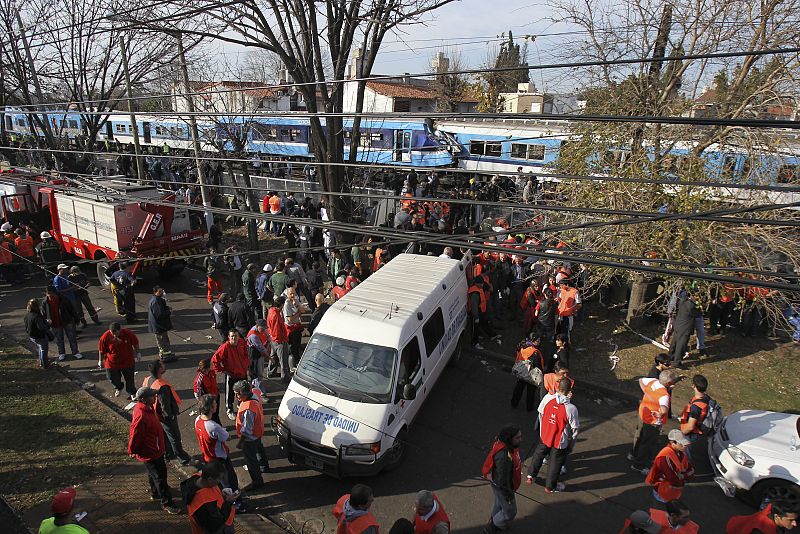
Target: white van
[{"x": 371, "y": 363}]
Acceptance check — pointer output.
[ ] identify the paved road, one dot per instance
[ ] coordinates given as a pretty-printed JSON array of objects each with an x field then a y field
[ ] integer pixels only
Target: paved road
[{"x": 449, "y": 440}]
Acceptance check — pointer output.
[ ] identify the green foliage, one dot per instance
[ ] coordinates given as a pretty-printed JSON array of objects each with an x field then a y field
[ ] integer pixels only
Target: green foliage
[{"x": 492, "y": 83}]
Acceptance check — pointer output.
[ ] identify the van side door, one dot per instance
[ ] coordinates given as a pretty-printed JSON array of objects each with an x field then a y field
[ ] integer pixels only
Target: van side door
[
  {"x": 432, "y": 333},
  {"x": 411, "y": 371}
]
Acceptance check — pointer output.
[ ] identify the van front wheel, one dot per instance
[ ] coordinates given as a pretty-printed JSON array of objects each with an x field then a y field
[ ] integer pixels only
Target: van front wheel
[{"x": 398, "y": 451}]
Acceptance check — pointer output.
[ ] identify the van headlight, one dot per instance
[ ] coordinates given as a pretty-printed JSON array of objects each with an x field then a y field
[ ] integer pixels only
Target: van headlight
[
  {"x": 365, "y": 449},
  {"x": 740, "y": 457}
]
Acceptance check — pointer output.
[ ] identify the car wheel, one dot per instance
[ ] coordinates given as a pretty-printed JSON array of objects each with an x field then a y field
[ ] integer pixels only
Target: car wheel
[
  {"x": 102, "y": 267},
  {"x": 398, "y": 451},
  {"x": 776, "y": 490}
]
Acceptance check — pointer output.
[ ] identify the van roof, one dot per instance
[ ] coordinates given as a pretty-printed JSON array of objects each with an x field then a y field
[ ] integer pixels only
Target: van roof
[{"x": 378, "y": 310}]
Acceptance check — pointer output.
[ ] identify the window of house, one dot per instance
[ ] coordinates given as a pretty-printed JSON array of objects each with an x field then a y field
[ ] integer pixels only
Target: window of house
[
  {"x": 477, "y": 147},
  {"x": 494, "y": 149},
  {"x": 402, "y": 105},
  {"x": 410, "y": 363},
  {"x": 433, "y": 331}
]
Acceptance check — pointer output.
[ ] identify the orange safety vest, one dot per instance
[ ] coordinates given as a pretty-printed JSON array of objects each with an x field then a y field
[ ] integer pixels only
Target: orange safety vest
[
  {"x": 203, "y": 497},
  {"x": 425, "y": 526},
  {"x": 258, "y": 424},
  {"x": 5, "y": 254},
  {"x": 703, "y": 405},
  {"x": 274, "y": 204},
  {"x": 746, "y": 524},
  {"x": 649, "y": 409},
  {"x": 567, "y": 301},
  {"x": 376, "y": 259},
  {"x": 338, "y": 292},
  {"x": 24, "y": 246},
  {"x": 479, "y": 291},
  {"x": 407, "y": 203},
  {"x": 664, "y": 489},
  {"x": 158, "y": 384},
  {"x": 488, "y": 464},
  {"x": 261, "y": 335},
  {"x": 358, "y": 525},
  {"x": 660, "y": 517},
  {"x": 551, "y": 381},
  {"x": 526, "y": 353}
]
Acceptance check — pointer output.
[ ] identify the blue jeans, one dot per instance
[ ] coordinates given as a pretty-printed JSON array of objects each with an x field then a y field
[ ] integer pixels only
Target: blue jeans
[
  {"x": 693, "y": 439},
  {"x": 700, "y": 332},
  {"x": 69, "y": 330},
  {"x": 42, "y": 345}
]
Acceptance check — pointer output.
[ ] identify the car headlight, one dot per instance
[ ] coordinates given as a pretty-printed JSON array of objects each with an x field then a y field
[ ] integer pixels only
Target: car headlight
[
  {"x": 740, "y": 457},
  {"x": 364, "y": 448}
]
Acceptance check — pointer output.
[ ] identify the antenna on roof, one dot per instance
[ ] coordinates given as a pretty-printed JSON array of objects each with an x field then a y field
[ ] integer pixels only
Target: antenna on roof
[{"x": 391, "y": 306}]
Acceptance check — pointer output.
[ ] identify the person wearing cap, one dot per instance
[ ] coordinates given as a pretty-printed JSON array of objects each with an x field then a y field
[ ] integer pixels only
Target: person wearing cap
[
  {"x": 248, "y": 281},
  {"x": 279, "y": 335},
  {"x": 258, "y": 347},
  {"x": 671, "y": 468},
  {"x": 675, "y": 520},
  {"x": 210, "y": 508},
  {"x": 159, "y": 323},
  {"x": 263, "y": 292},
  {"x": 250, "y": 428},
  {"x": 49, "y": 252},
  {"x": 231, "y": 359},
  {"x": 146, "y": 443},
  {"x": 61, "y": 317},
  {"x": 7, "y": 228},
  {"x": 338, "y": 290},
  {"x": 63, "y": 521},
  {"x": 81, "y": 282},
  {"x": 653, "y": 412},
  {"x": 118, "y": 352},
  {"x": 640, "y": 522}
]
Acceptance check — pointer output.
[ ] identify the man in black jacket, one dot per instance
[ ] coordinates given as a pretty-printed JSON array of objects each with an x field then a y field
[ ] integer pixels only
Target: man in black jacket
[
  {"x": 240, "y": 316},
  {"x": 683, "y": 327},
  {"x": 316, "y": 317},
  {"x": 62, "y": 318},
  {"x": 503, "y": 468},
  {"x": 159, "y": 322},
  {"x": 201, "y": 493},
  {"x": 81, "y": 282},
  {"x": 249, "y": 287}
]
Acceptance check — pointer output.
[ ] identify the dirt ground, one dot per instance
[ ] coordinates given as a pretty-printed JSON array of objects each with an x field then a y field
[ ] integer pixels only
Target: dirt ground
[
  {"x": 743, "y": 373},
  {"x": 51, "y": 435}
]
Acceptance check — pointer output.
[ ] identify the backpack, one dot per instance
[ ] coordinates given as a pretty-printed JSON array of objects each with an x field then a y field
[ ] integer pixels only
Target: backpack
[{"x": 713, "y": 421}]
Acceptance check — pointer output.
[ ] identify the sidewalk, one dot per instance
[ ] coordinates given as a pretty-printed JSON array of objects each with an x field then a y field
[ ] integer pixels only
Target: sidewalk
[{"x": 118, "y": 498}]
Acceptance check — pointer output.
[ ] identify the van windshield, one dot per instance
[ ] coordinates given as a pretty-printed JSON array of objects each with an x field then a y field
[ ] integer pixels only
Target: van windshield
[{"x": 349, "y": 369}]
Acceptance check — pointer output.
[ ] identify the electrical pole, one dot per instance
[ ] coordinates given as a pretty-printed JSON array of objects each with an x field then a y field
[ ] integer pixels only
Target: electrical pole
[
  {"x": 136, "y": 147},
  {"x": 193, "y": 130}
]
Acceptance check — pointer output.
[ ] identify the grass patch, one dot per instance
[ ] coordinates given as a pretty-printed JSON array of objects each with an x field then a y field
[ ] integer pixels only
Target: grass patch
[
  {"x": 51, "y": 434},
  {"x": 743, "y": 373}
]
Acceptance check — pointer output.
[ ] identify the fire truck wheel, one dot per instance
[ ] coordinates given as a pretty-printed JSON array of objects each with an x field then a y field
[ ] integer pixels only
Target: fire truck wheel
[{"x": 102, "y": 267}]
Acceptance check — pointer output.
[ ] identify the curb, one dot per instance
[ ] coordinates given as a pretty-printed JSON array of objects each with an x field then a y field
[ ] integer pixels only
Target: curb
[{"x": 600, "y": 390}]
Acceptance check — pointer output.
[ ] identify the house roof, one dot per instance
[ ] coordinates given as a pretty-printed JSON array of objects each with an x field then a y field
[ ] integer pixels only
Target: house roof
[
  {"x": 401, "y": 90},
  {"x": 709, "y": 97}
]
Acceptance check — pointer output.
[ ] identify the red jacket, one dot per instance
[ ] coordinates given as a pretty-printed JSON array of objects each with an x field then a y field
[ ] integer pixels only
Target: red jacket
[
  {"x": 120, "y": 353},
  {"x": 231, "y": 360},
  {"x": 277, "y": 326},
  {"x": 146, "y": 441},
  {"x": 206, "y": 383}
]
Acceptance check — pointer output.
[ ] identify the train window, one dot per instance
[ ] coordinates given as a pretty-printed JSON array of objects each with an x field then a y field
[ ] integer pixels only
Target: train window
[
  {"x": 181, "y": 133},
  {"x": 263, "y": 132},
  {"x": 788, "y": 174},
  {"x": 477, "y": 147},
  {"x": 519, "y": 151},
  {"x": 9, "y": 123},
  {"x": 73, "y": 124},
  {"x": 119, "y": 128},
  {"x": 433, "y": 331},
  {"x": 289, "y": 134},
  {"x": 536, "y": 152},
  {"x": 494, "y": 149}
]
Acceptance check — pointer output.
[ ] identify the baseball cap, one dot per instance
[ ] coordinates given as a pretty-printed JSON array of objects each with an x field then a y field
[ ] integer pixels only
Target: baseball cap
[
  {"x": 6, "y": 226},
  {"x": 340, "y": 281},
  {"x": 62, "y": 266},
  {"x": 642, "y": 520},
  {"x": 268, "y": 268},
  {"x": 63, "y": 501},
  {"x": 144, "y": 392},
  {"x": 678, "y": 437},
  {"x": 45, "y": 235}
]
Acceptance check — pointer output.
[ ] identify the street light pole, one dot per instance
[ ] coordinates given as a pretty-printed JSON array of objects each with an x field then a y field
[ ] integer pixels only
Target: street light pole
[
  {"x": 136, "y": 146},
  {"x": 193, "y": 131}
]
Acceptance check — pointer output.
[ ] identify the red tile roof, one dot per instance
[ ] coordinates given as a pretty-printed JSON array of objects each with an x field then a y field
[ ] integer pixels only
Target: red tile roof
[{"x": 398, "y": 90}]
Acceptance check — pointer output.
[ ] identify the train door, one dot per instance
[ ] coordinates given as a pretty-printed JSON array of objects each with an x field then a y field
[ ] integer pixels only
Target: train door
[
  {"x": 146, "y": 132},
  {"x": 109, "y": 131},
  {"x": 402, "y": 145}
]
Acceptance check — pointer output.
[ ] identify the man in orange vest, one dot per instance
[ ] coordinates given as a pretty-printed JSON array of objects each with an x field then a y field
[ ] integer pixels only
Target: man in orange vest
[
  {"x": 550, "y": 381},
  {"x": 352, "y": 512},
  {"x": 429, "y": 516},
  {"x": 569, "y": 302},
  {"x": 503, "y": 468},
  {"x": 653, "y": 412},
  {"x": 250, "y": 428},
  {"x": 231, "y": 359},
  {"x": 209, "y": 506},
  {"x": 671, "y": 469},
  {"x": 528, "y": 351},
  {"x": 695, "y": 412},
  {"x": 167, "y": 407},
  {"x": 212, "y": 438},
  {"x": 675, "y": 520},
  {"x": 777, "y": 517}
]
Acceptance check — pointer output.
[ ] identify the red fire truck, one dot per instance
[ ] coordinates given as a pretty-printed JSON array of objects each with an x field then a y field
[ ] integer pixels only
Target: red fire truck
[{"x": 99, "y": 221}]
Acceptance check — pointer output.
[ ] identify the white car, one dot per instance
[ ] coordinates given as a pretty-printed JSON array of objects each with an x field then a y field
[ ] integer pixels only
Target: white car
[{"x": 759, "y": 452}]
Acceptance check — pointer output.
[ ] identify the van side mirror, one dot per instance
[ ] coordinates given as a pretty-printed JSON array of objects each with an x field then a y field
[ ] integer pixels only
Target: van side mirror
[{"x": 409, "y": 392}]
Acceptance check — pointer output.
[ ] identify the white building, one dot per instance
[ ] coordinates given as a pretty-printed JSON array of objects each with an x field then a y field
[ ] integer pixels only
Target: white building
[{"x": 229, "y": 95}]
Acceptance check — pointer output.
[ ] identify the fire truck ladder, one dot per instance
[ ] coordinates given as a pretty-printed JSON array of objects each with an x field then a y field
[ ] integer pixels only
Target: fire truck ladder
[{"x": 92, "y": 185}]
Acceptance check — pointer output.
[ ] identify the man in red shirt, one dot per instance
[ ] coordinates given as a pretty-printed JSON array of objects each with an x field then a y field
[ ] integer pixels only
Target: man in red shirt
[
  {"x": 117, "y": 352},
  {"x": 558, "y": 428},
  {"x": 778, "y": 517},
  {"x": 231, "y": 359},
  {"x": 279, "y": 336},
  {"x": 146, "y": 444},
  {"x": 671, "y": 469}
]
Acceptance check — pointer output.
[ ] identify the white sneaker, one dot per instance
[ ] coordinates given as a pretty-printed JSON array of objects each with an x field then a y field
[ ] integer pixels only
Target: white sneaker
[
  {"x": 116, "y": 393},
  {"x": 78, "y": 356},
  {"x": 232, "y": 416},
  {"x": 62, "y": 357},
  {"x": 544, "y": 462}
]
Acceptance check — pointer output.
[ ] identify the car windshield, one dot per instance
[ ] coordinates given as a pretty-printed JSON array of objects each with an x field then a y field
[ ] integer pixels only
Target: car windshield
[{"x": 349, "y": 369}]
